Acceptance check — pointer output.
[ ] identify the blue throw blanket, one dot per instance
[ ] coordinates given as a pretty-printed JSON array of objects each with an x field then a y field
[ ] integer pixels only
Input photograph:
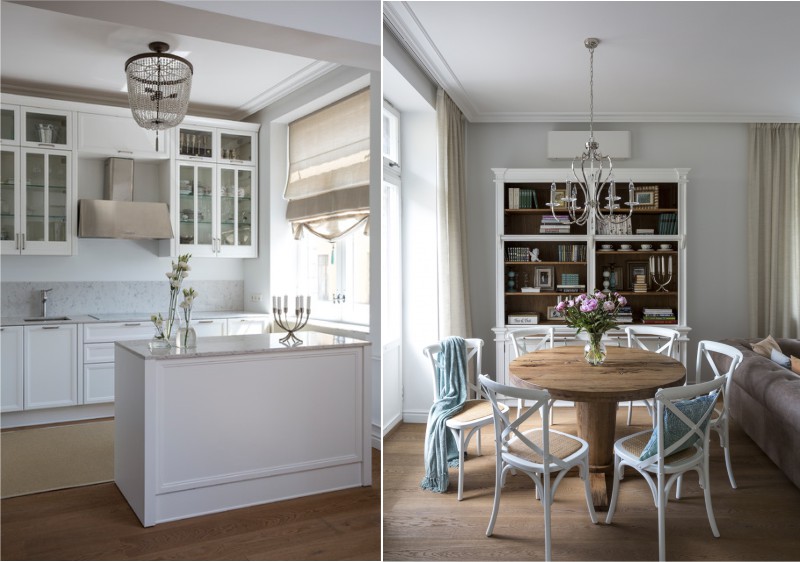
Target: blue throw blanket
[{"x": 441, "y": 449}]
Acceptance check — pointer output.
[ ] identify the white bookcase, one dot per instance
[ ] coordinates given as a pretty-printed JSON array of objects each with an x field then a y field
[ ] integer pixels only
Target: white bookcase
[{"x": 580, "y": 252}]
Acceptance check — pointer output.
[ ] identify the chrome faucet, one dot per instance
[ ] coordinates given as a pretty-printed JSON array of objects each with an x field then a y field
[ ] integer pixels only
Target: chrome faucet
[{"x": 44, "y": 302}]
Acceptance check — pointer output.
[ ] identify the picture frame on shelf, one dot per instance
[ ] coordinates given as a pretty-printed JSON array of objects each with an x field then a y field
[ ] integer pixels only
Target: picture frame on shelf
[
  {"x": 646, "y": 197},
  {"x": 544, "y": 277},
  {"x": 558, "y": 196},
  {"x": 554, "y": 314},
  {"x": 637, "y": 268}
]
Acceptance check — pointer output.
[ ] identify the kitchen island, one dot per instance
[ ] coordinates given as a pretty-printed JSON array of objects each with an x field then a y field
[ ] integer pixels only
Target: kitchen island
[{"x": 239, "y": 421}]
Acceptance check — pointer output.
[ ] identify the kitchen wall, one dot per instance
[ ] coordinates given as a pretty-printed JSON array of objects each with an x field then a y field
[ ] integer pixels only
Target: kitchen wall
[
  {"x": 107, "y": 276},
  {"x": 717, "y": 290}
]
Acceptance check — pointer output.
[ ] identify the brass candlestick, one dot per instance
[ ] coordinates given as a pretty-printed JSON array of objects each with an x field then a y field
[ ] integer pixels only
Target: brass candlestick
[{"x": 281, "y": 315}]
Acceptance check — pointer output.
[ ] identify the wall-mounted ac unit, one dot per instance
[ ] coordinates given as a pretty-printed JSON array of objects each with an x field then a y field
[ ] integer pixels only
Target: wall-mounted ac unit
[{"x": 569, "y": 144}]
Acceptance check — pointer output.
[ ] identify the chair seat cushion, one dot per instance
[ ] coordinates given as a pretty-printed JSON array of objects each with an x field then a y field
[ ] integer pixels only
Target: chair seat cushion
[
  {"x": 675, "y": 429},
  {"x": 472, "y": 410},
  {"x": 634, "y": 445},
  {"x": 561, "y": 446}
]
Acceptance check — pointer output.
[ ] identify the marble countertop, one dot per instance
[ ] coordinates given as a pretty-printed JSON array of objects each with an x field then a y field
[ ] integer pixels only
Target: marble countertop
[
  {"x": 240, "y": 345},
  {"x": 120, "y": 317}
]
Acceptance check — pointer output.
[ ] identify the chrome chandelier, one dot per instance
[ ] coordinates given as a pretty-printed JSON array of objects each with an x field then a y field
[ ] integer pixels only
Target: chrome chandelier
[
  {"x": 594, "y": 174},
  {"x": 159, "y": 84}
]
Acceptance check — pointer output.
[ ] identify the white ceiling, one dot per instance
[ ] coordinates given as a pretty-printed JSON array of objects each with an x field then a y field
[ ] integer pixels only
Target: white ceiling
[
  {"x": 657, "y": 61},
  {"x": 246, "y": 54}
]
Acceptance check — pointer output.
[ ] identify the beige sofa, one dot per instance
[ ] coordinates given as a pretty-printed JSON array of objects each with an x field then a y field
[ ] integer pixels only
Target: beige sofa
[{"x": 765, "y": 401}]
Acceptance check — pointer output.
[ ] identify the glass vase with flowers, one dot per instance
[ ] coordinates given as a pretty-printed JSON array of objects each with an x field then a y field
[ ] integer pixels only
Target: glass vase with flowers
[
  {"x": 595, "y": 314},
  {"x": 165, "y": 327}
]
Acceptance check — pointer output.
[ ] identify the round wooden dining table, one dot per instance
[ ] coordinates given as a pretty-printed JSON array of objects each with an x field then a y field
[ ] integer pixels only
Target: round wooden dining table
[{"x": 626, "y": 374}]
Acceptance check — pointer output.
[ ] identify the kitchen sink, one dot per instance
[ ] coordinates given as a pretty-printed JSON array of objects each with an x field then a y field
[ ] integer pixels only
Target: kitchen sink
[{"x": 47, "y": 319}]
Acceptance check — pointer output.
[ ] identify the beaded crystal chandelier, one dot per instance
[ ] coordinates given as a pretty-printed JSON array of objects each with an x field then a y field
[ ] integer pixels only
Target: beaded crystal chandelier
[
  {"x": 159, "y": 84},
  {"x": 593, "y": 173}
]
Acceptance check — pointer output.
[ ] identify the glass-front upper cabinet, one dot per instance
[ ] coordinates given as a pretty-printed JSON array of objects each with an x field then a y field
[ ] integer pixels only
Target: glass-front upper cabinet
[
  {"x": 196, "y": 209},
  {"x": 46, "y": 128},
  {"x": 196, "y": 143},
  {"x": 237, "y": 147},
  {"x": 9, "y": 125},
  {"x": 237, "y": 200},
  {"x": 9, "y": 200},
  {"x": 35, "y": 209}
]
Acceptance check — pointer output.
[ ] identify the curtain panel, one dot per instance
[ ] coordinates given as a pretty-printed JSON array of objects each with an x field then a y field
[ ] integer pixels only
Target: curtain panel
[
  {"x": 774, "y": 229},
  {"x": 328, "y": 182},
  {"x": 454, "y": 308}
]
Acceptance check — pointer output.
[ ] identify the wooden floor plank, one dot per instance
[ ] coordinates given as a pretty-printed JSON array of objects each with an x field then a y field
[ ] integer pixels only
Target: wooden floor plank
[
  {"x": 758, "y": 521},
  {"x": 95, "y": 523}
]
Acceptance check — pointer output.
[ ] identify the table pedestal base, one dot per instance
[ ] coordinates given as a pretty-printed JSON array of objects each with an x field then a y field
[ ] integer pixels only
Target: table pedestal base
[{"x": 596, "y": 424}]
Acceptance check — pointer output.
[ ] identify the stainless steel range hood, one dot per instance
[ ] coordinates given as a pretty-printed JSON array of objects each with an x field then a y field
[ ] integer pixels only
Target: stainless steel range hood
[{"x": 118, "y": 216}]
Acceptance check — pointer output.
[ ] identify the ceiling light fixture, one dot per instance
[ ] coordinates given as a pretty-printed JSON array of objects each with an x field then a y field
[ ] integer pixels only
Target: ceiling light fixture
[
  {"x": 159, "y": 84},
  {"x": 591, "y": 177}
]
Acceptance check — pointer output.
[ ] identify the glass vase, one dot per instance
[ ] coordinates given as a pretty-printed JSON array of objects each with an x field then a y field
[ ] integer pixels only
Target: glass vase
[
  {"x": 186, "y": 338},
  {"x": 595, "y": 350}
]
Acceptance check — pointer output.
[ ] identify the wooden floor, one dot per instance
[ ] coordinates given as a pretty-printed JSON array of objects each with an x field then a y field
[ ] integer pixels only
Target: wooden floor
[
  {"x": 95, "y": 523},
  {"x": 758, "y": 521}
]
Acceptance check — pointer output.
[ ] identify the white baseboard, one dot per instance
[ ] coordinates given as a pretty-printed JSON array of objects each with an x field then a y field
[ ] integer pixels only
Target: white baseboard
[
  {"x": 56, "y": 415},
  {"x": 377, "y": 438}
]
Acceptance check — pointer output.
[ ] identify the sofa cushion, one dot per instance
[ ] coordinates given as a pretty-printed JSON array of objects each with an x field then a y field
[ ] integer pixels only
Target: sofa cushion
[
  {"x": 766, "y": 346},
  {"x": 781, "y": 359},
  {"x": 795, "y": 364}
]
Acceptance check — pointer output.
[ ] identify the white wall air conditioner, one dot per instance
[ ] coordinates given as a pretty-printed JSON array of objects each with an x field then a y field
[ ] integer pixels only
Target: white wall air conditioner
[{"x": 569, "y": 144}]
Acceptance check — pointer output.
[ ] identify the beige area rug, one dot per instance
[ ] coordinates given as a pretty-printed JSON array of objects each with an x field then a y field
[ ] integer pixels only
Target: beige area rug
[{"x": 51, "y": 458}]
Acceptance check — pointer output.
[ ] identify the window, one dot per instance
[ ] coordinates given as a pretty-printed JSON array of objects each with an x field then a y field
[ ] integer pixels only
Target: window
[
  {"x": 336, "y": 276},
  {"x": 390, "y": 140}
]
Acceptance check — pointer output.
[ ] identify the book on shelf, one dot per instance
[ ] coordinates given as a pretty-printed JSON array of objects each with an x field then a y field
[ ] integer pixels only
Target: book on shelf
[
  {"x": 517, "y": 253},
  {"x": 571, "y": 288},
  {"x": 571, "y": 252},
  {"x": 658, "y": 311},
  {"x": 639, "y": 284},
  {"x": 570, "y": 278},
  {"x": 667, "y": 223},
  {"x": 523, "y": 318},
  {"x": 522, "y": 198},
  {"x": 645, "y": 231},
  {"x": 659, "y": 320},
  {"x": 530, "y": 290}
]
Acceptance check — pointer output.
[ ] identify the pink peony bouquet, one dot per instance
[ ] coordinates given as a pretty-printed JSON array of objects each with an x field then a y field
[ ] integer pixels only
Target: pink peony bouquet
[{"x": 596, "y": 314}]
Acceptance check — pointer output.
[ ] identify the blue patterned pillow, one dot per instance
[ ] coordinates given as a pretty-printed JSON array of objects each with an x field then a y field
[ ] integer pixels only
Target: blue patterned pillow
[{"x": 674, "y": 428}]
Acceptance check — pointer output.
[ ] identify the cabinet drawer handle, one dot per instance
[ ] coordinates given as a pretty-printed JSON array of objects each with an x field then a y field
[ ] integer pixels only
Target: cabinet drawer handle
[
  {"x": 46, "y": 144},
  {"x": 124, "y": 151},
  {"x": 132, "y": 324},
  {"x": 22, "y": 236},
  {"x": 50, "y": 327},
  {"x": 205, "y": 322}
]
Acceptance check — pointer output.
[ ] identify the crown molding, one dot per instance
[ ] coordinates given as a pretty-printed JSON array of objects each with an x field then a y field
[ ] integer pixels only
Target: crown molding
[
  {"x": 405, "y": 25},
  {"x": 285, "y": 87},
  {"x": 521, "y": 117}
]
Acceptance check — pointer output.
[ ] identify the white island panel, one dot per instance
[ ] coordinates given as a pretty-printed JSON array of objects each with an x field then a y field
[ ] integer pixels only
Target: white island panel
[{"x": 214, "y": 430}]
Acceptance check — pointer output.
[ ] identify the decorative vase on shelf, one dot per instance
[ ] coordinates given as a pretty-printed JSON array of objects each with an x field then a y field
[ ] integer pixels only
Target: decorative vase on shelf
[
  {"x": 159, "y": 343},
  {"x": 595, "y": 350}
]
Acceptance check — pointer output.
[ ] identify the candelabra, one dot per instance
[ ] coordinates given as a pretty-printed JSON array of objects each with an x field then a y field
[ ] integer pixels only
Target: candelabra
[
  {"x": 281, "y": 315},
  {"x": 660, "y": 275}
]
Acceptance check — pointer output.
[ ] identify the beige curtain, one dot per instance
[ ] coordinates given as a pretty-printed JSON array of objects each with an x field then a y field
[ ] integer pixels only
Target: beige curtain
[
  {"x": 328, "y": 181},
  {"x": 454, "y": 309},
  {"x": 774, "y": 229}
]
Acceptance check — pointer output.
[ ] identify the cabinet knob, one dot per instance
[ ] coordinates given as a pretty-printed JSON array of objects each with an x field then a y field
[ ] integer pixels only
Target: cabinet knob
[{"x": 133, "y": 324}]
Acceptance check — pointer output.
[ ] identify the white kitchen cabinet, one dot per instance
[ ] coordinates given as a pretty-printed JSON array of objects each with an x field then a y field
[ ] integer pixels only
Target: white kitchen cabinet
[
  {"x": 11, "y": 371},
  {"x": 98, "y": 356},
  {"x": 50, "y": 366},
  {"x": 211, "y": 144},
  {"x": 248, "y": 325},
  {"x": 210, "y": 327},
  {"x": 9, "y": 124},
  {"x": 216, "y": 207},
  {"x": 36, "y": 201},
  {"x": 46, "y": 128},
  {"x": 118, "y": 136}
]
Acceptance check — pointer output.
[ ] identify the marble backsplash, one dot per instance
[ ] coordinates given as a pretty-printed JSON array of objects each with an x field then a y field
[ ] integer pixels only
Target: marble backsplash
[{"x": 108, "y": 297}]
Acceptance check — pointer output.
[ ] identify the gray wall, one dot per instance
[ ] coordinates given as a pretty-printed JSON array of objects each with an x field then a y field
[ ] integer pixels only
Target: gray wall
[{"x": 717, "y": 290}]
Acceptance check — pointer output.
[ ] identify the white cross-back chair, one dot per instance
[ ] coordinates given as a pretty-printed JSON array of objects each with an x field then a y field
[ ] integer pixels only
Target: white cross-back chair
[
  {"x": 477, "y": 411},
  {"x": 670, "y": 462},
  {"x": 665, "y": 345},
  {"x": 527, "y": 340},
  {"x": 544, "y": 454},
  {"x": 719, "y": 421}
]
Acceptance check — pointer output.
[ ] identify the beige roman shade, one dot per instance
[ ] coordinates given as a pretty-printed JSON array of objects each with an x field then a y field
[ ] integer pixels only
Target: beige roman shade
[{"x": 328, "y": 184}]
